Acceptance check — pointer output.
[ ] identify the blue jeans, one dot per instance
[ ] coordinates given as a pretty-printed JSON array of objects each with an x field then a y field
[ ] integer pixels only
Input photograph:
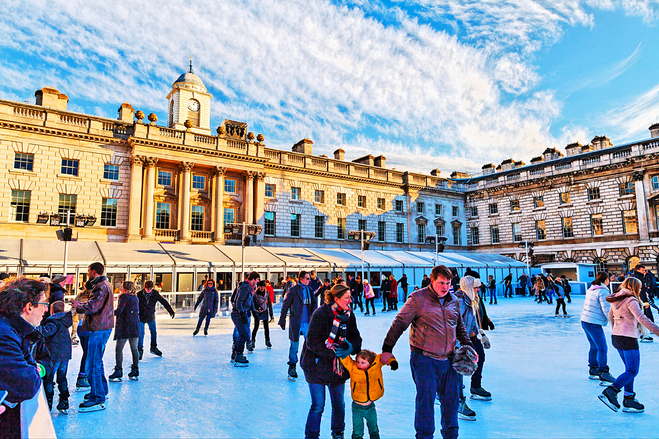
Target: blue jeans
[
  {"x": 632, "y": 360},
  {"x": 432, "y": 377},
  {"x": 94, "y": 365},
  {"x": 493, "y": 294},
  {"x": 240, "y": 333},
  {"x": 59, "y": 370},
  {"x": 508, "y": 288},
  {"x": 84, "y": 342},
  {"x": 295, "y": 345},
  {"x": 152, "y": 331},
  {"x": 336, "y": 391},
  {"x": 598, "y": 346}
]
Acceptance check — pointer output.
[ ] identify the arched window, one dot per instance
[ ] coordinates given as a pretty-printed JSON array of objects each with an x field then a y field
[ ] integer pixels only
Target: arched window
[
  {"x": 631, "y": 263},
  {"x": 600, "y": 265}
]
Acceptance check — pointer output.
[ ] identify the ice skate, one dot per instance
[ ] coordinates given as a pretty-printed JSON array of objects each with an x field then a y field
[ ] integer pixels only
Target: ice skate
[
  {"x": 195, "y": 332},
  {"x": 250, "y": 347},
  {"x": 233, "y": 357},
  {"x": 646, "y": 339},
  {"x": 241, "y": 361},
  {"x": 268, "y": 344},
  {"x": 116, "y": 375},
  {"x": 156, "y": 351},
  {"x": 205, "y": 332},
  {"x": 465, "y": 413},
  {"x": 593, "y": 373},
  {"x": 63, "y": 406},
  {"x": 82, "y": 384},
  {"x": 610, "y": 397},
  {"x": 292, "y": 373},
  {"x": 134, "y": 373},
  {"x": 480, "y": 394},
  {"x": 606, "y": 379},
  {"x": 141, "y": 352},
  {"x": 89, "y": 406},
  {"x": 631, "y": 405}
]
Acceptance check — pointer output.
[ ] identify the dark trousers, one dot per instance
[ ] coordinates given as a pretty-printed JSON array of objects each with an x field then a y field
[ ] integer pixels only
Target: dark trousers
[
  {"x": 361, "y": 413},
  {"x": 59, "y": 370},
  {"x": 478, "y": 374},
  {"x": 270, "y": 312},
  {"x": 84, "y": 343},
  {"x": 204, "y": 316},
  {"x": 119, "y": 351},
  {"x": 357, "y": 302},
  {"x": 240, "y": 333},
  {"x": 152, "y": 331},
  {"x": 94, "y": 365},
  {"x": 385, "y": 300},
  {"x": 370, "y": 301},
  {"x": 433, "y": 377},
  {"x": 508, "y": 291},
  {"x": 10, "y": 423},
  {"x": 493, "y": 295},
  {"x": 560, "y": 302},
  {"x": 404, "y": 294},
  {"x": 266, "y": 329},
  {"x": 393, "y": 302},
  {"x": 567, "y": 296}
]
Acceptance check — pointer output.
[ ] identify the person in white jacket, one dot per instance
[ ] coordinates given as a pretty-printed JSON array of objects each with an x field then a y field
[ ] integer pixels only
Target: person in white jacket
[{"x": 594, "y": 317}]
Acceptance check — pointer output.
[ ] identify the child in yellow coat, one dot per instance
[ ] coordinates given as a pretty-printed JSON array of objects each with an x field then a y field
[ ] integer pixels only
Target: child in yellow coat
[{"x": 366, "y": 386}]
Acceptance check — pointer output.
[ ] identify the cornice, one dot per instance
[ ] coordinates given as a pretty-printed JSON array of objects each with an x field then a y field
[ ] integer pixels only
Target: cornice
[
  {"x": 328, "y": 174},
  {"x": 136, "y": 142},
  {"x": 60, "y": 133}
]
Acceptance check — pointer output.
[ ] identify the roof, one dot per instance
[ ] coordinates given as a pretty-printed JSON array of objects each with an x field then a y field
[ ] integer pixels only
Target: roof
[
  {"x": 255, "y": 257},
  {"x": 297, "y": 257},
  {"x": 190, "y": 78},
  {"x": 47, "y": 253},
  {"x": 134, "y": 254},
  {"x": 197, "y": 255}
]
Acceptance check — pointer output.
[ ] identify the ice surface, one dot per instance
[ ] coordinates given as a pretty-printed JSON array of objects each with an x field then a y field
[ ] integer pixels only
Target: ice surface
[{"x": 536, "y": 370}]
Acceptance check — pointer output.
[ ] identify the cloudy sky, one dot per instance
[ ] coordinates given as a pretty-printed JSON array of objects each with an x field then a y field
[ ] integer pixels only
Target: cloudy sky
[{"x": 430, "y": 84}]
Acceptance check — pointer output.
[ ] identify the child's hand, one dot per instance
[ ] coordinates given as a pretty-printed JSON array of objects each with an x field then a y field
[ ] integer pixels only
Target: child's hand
[
  {"x": 394, "y": 365},
  {"x": 385, "y": 356}
]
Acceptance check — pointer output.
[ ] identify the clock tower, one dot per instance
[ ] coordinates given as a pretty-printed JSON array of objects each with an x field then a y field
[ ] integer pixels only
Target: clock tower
[{"x": 189, "y": 100}]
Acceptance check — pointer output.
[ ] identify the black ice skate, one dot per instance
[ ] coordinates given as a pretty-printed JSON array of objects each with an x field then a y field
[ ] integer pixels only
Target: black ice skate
[
  {"x": 134, "y": 373},
  {"x": 63, "y": 406},
  {"x": 480, "y": 393},
  {"x": 141, "y": 353},
  {"x": 233, "y": 357},
  {"x": 195, "y": 332},
  {"x": 631, "y": 405},
  {"x": 241, "y": 361},
  {"x": 606, "y": 379},
  {"x": 610, "y": 397},
  {"x": 250, "y": 347},
  {"x": 465, "y": 413},
  {"x": 82, "y": 384},
  {"x": 646, "y": 339},
  {"x": 156, "y": 351},
  {"x": 89, "y": 406},
  {"x": 292, "y": 373},
  {"x": 116, "y": 375},
  {"x": 268, "y": 344},
  {"x": 593, "y": 373}
]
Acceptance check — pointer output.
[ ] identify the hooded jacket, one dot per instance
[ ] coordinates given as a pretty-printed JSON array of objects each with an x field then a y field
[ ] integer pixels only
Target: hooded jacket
[
  {"x": 58, "y": 340},
  {"x": 366, "y": 385},
  {"x": 625, "y": 315},
  {"x": 595, "y": 306}
]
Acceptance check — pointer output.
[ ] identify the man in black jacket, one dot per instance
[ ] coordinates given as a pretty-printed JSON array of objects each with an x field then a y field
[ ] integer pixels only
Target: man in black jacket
[
  {"x": 241, "y": 302},
  {"x": 148, "y": 298}
]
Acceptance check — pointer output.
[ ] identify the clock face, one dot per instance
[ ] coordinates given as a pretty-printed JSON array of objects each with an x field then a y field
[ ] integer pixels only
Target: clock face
[{"x": 193, "y": 105}]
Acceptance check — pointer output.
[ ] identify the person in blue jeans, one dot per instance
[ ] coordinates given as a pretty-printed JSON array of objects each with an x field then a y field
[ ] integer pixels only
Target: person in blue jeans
[
  {"x": 148, "y": 298},
  {"x": 492, "y": 286},
  {"x": 594, "y": 317},
  {"x": 241, "y": 302}
]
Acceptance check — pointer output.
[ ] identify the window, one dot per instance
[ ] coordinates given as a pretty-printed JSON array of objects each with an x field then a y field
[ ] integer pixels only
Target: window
[
  {"x": 270, "y": 190},
  {"x": 494, "y": 234},
  {"x": 67, "y": 203},
  {"x": 197, "y": 218},
  {"x": 295, "y": 193},
  {"x": 514, "y": 205},
  {"x": 20, "y": 205},
  {"x": 420, "y": 233},
  {"x": 381, "y": 205},
  {"x": 361, "y": 225},
  {"x": 439, "y": 229},
  {"x": 517, "y": 232},
  {"x": 164, "y": 178},
  {"x": 475, "y": 236},
  {"x": 596, "y": 225},
  {"x": 361, "y": 201},
  {"x": 438, "y": 210},
  {"x": 655, "y": 182},
  {"x": 540, "y": 230},
  {"x": 629, "y": 222},
  {"x": 340, "y": 228},
  {"x": 198, "y": 182},
  {"x": 296, "y": 219},
  {"x": 70, "y": 167},
  {"x": 163, "y": 213},
  {"x": 229, "y": 216},
  {"x": 456, "y": 211},
  {"x": 382, "y": 231},
  {"x": 109, "y": 212},
  {"x": 319, "y": 227},
  {"x": 111, "y": 172},
  {"x": 341, "y": 199},
  {"x": 593, "y": 193},
  {"x": 420, "y": 207},
  {"x": 494, "y": 208},
  {"x": 564, "y": 197},
  {"x": 230, "y": 186},
  {"x": 319, "y": 197},
  {"x": 538, "y": 201},
  {"x": 473, "y": 211},
  {"x": 568, "y": 232},
  {"x": 627, "y": 188},
  {"x": 269, "y": 223},
  {"x": 399, "y": 205},
  {"x": 457, "y": 236},
  {"x": 24, "y": 161},
  {"x": 400, "y": 232}
]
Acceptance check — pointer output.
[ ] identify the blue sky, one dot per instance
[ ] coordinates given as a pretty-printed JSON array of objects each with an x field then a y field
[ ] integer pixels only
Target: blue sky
[{"x": 430, "y": 84}]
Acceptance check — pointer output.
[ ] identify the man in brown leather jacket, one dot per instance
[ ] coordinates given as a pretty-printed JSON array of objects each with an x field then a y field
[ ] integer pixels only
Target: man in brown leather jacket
[{"x": 434, "y": 314}]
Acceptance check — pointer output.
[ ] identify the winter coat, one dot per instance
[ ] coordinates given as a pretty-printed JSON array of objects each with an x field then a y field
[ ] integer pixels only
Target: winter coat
[
  {"x": 317, "y": 360},
  {"x": 147, "y": 305},
  {"x": 271, "y": 293},
  {"x": 56, "y": 294},
  {"x": 595, "y": 306},
  {"x": 58, "y": 339},
  {"x": 128, "y": 317},
  {"x": 626, "y": 314},
  {"x": 315, "y": 284},
  {"x": 483, "y": 318},
  {"x": 241, "y": 299},
  {"x": 294, "y": 302},
  {"x": 403, "y": 282},
  {"x": 365, "y": 385},
  {"x": 394, "y": 288},
  {"x": 98, "y": 310},
  {"x": 385, "y": 287},
  {"x": 368, "y": 291},
  {"x": 18, "y": 372},
  {"x": 467, "y": 313},
  {"x": 435, "y": 327},
  {"x": 210, "y": 300},
  {"x": 261, "y": 301},
  {"x": 425, "y": 282},
  {"x": 493, "y": 284}
]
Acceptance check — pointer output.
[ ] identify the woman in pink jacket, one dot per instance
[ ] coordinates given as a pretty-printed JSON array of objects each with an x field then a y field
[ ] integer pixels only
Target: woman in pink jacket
[{"x": 626, "y": 317}]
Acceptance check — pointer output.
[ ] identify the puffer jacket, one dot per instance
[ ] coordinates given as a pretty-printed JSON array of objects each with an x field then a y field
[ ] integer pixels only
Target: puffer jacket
[
  {"x": 625, "y": 315},
  {"x": 365, "y": 385},
  {"x": 128, "y": 317},
  {"x": 435, "y": 327},
  {"x": 58, "y": 339},
  {"x": 467, "y": 313},
  {"x": 99, "y": 309},
  {"x": 595, "y": 306}
]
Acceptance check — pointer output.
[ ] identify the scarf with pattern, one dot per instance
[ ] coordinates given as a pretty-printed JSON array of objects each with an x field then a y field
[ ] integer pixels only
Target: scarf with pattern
[{"x": 337, "y": 335}]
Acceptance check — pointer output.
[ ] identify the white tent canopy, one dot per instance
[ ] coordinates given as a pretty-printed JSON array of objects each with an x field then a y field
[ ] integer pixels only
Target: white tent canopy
[
  {"x": 131, "y": 254},
  {"x": 374, "y": 259},
  {"x": 255, "y": 257},
  {"x": 197, "y": 256},
  {"x": 337, "y": 257},
  {"x": 10, "y": 253},
  {"x": 407, "y": 259},
  {"x": 43, "y": 254},
  {"x": 298, "y": 257}
]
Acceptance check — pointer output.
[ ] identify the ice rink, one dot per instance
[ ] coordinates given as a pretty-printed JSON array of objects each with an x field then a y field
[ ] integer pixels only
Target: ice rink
[{"x": 536, "y": 371}]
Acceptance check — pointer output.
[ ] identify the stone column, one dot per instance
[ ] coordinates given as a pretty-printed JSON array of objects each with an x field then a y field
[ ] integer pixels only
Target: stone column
[
  {"x": 184, "y": 200},
  {"x": 147, "y": 222},
  {"x": 260, "y": 198},
  {"x": 134, "y": 205},
  {"x": 641, "y": 205},
  {"x": 219, "y": 204},
  {"x": 249, "y": 197}
]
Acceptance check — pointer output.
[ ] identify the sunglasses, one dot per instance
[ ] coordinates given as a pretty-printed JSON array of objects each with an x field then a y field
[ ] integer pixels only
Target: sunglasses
[{"x": 41, "y": 303}]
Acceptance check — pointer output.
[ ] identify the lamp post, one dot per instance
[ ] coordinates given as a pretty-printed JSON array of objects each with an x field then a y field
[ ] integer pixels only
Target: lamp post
[
  {"x": 439, "y": 246},
  {"x": 245, "y": 230},
  {"x": 528, "y": 245},
  {"x": 364, "y": 238}
]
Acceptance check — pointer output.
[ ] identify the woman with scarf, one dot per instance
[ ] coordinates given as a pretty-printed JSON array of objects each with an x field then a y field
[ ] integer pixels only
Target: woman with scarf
[
  {"x": 332, "y": 335},
  {"x": 209, "y": 308}
]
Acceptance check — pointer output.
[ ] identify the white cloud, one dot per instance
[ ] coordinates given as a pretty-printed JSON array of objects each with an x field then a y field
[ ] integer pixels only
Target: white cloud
[{"x": 631, "y": 120}]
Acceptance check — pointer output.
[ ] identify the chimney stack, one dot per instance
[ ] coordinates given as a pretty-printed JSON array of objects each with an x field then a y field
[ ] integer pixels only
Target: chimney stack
[
  {"x": 379, "y": 161},
  {"x": 654, "y": 130},
  {"x": 126, "y": 113},
  {"x": 304, "y": 146},
  {"x": 339, "y": 154},
  {"x": 51, "y": 98}
]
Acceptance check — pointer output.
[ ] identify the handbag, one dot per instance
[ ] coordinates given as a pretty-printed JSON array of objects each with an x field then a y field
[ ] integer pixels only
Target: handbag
[{"x": 481, "y": 334}]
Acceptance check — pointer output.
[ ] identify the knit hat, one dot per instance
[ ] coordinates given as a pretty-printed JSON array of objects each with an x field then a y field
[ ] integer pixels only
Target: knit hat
[{"x": 465, "y": 360}]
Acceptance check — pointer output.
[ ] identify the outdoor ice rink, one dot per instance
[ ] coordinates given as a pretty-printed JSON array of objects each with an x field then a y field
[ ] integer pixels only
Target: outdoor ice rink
[{"x": 536, "y": 370}]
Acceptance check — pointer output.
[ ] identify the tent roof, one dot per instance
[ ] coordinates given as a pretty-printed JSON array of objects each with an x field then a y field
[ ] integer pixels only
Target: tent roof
[
  {"x": 254, "y": 256},
  {"x": 407, "y": 259},
  {"x": 336, "y": 257},
  {"x": 46, "y": 253},
  {"x": 187, "y": 255},
  {"x": 375, "y": 259},
  {"x": 10, "y": 252},
  {"x": 298, "y": 257},
  {"x": 442, "y": 258},
  {"x": 492, "y": 259},
  {"x": 134, "y": 254}
]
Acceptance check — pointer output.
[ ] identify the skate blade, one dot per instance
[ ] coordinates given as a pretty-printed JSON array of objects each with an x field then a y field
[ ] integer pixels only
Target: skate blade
[
  {"x": 133, "y": 378},
  {"x": 632, "y": 410},
  {"x": 269, "y": 347},
  {"x": 94, "y": 408},
  {"x": 240, "y": 364},
  {"x": 645, "y": 341},
  {"x": 82, "y": 389},
  {"x": 605, "y": 400},
  {"x": 290, "y": 378},
  {"x": 466, "y": 418},
  {"x": 63, "y": 412},
  {"x": 481, "y": 398},
  {"x": 605, "y": 383},
  {"x": 593, "y": 377},
  {"x": 115, "y": 380}
]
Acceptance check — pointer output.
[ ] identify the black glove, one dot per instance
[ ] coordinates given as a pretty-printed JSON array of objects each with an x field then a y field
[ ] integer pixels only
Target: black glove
[
  {"x": 490, "y": 325},
  {"x": 394, "y": 365},
  {"x": 243, "y": 318},
  {"x": 172, "y": 315},
  {"x": 282, "y": 326}
]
